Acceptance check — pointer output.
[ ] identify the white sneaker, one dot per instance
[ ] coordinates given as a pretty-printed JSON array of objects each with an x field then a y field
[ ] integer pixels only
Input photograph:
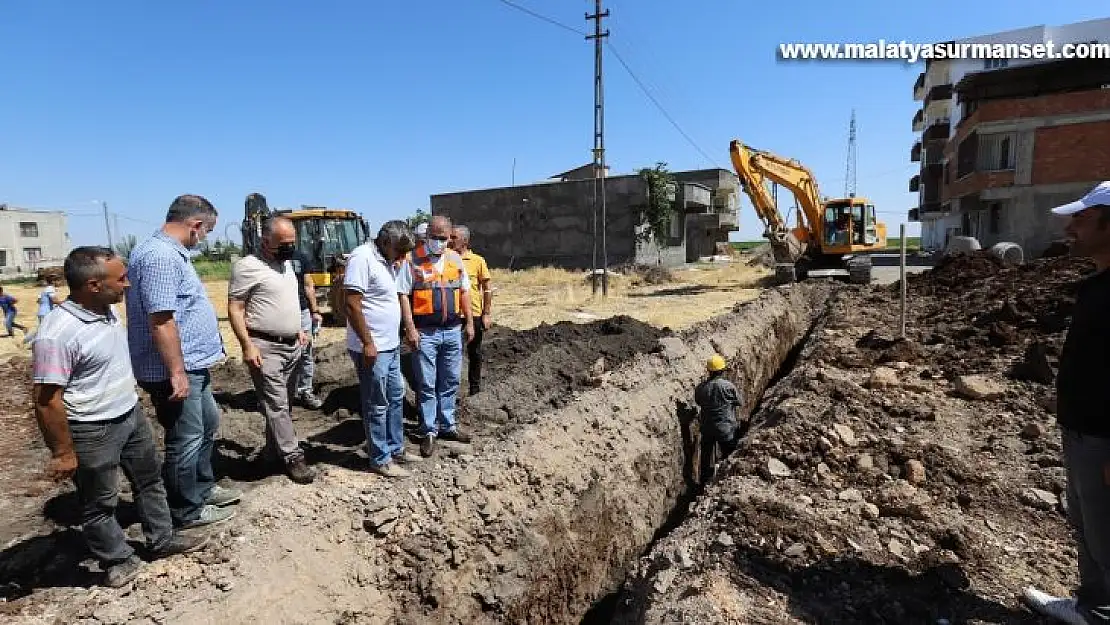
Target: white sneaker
[
  {"x": 391, "y": 469},
  {"x": 1063, "y": 609}
]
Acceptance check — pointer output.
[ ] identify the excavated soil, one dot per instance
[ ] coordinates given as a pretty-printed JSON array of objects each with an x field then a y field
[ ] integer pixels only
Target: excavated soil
[
  {"x": 535, "y": 521},
  {"x": 890, "y": 481}
]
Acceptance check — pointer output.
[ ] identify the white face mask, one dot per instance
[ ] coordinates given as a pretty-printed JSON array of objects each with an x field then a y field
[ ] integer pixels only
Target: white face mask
[{"x": 435, "y": 246}]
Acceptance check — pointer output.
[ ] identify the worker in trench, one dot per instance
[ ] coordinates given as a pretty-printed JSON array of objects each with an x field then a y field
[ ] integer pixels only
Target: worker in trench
[
  {"x": 718, "y": 400},
  {"x": 1081, "y": 413}
]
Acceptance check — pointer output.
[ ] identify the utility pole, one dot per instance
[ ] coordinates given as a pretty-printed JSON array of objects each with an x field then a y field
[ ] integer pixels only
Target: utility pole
[
  {"x": 107, "y": 224},
  {"x": 599, "y": 149}
]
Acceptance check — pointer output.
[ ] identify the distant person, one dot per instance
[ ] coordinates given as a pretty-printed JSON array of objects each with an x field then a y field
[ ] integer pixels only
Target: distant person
[
  {"x": 718, "y": 399},
  {"x": 89, "y": 414},
  {"x": 48, "y": 300},
  {"x": 261, "y": 295},
  {"x": 373, "y": 317},
  {"x": 437, "y": 321},
  {"x": 481, "y": 301},
  {"x": 174, "y": 337},
  {"x": 7, "y": 305},
  {"x": 1084, "y": 368},
  {"x": 311, "y": 319}
]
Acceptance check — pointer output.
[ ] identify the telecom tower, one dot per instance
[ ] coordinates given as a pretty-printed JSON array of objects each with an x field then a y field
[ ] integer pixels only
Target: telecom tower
[{"x": 850, "y": 175}]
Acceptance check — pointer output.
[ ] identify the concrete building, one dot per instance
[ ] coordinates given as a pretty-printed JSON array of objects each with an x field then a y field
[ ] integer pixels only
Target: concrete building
[
  {"x": 31, "y": 239},
  {"x": 987, "y": 107},
  {"x": 550, "y": 223}
]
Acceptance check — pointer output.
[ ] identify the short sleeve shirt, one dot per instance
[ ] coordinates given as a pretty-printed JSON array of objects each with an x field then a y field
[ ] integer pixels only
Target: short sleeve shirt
[
  {"x": 370, "y": 275},
  {"x": 477, "y": 269},
  {"x": 7, "y": 303},
  {"x": 270, "y": 293},
  {"x": 86, "y": 354},
  {"x": 404, "y": 273},
  {"x": 163, "y": 279},
  {"x": 46, "y": 304}
]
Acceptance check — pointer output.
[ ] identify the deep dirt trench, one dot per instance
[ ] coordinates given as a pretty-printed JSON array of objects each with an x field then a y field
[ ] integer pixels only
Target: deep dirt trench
[{"x": 577, "y": 469}]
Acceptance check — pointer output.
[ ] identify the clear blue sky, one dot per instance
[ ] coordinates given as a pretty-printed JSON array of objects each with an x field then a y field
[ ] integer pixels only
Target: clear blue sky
[{"x": 376, "y": 105}]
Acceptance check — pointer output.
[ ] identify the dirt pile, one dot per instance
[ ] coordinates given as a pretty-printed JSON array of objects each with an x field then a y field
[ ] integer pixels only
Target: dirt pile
[
  {"x": 886, "y": 481},
  {"x": 541, "y": 368}
]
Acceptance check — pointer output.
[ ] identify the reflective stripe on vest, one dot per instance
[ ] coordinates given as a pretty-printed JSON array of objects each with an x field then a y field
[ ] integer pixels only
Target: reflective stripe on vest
[{"x": 436, "y": 297}]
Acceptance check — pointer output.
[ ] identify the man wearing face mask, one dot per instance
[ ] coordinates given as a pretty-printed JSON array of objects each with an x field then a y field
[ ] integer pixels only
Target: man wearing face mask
[
  {"x": 438, "y": 321},
  {"x": 262, "y": 305},
  {"x": 174, "y": 339}
]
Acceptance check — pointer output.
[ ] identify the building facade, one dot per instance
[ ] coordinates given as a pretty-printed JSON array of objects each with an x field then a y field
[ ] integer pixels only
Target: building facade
[
  {"x": 989, "y": 124},
  {"x": 551, "y": 223},
  {"x": 30, "y": 240}
]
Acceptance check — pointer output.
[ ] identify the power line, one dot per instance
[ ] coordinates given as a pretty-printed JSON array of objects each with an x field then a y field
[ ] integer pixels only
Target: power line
[
  {"x": 543, "y": 17},
  {"x": 644, "y": 89}
]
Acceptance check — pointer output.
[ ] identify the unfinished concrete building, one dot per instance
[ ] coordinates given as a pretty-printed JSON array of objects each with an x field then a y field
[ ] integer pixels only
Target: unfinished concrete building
[
  {"x": 1003, "y": 140},
  {"x": 551, "y": 223}
]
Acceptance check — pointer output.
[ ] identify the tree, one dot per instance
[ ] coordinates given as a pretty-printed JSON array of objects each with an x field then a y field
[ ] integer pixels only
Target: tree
[
  {"x": 421, "y": 216},
  {"x": 656, "y": 215},
  {"x": 125, "y": 246}
]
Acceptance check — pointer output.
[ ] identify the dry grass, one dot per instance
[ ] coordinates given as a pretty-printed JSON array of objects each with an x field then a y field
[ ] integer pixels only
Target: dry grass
[{"x": 524, "y": 299}]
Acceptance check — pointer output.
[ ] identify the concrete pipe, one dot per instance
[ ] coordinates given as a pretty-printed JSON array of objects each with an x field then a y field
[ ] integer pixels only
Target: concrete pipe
[
  {"x": 963, "y": 245},
  {"x": 1010, "y": 253}
]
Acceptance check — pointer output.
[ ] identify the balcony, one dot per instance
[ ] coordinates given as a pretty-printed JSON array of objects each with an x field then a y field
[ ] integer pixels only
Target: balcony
[
  {"x": 915, "y": 152},
  {"x": 913, "y": 215},
  {"x": 919, "y": 120},
  {"x": 929, "y": 207},
  {"x": 696, "y": 197},
  {"x": 938, "y": 93},
  {"x": 937, "y": 130},
  {"x": 919, "y": 87},
  {"x": 915, "y": 183}
]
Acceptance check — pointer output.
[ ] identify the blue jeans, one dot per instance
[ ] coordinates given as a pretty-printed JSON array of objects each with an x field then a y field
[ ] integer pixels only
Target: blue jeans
[
  {"x": 9, "y": 320},
  {"x": 190, "y": 437},
  {"x": 438, "y": 369},
  {"x": 382, "y": 390}
]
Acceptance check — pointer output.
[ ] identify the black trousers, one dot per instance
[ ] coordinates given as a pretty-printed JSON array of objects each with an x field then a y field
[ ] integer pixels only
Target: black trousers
[
  {"x": 713, "y": 450},
  {"x": 474, "y": 358}
]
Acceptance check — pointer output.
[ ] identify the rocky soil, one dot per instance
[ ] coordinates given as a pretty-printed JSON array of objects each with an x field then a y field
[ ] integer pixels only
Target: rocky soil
[
  {"x": 889, "y": 481},
  {"x": 536, "y": 521}
]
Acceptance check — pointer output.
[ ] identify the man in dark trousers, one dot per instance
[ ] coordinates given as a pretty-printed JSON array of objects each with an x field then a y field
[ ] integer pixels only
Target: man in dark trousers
[
  {"x": 1083, "y": 417},
  {"x": 718, "y": 400}
]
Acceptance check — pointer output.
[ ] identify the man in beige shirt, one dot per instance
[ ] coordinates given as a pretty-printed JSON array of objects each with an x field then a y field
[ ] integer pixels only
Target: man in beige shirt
[{"x": 264, "y": 310}]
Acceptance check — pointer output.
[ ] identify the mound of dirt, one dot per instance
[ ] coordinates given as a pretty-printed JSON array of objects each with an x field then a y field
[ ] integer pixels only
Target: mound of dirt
[
  {"x": 890, "y": 480},
  {"x": 542, "y": 367}
]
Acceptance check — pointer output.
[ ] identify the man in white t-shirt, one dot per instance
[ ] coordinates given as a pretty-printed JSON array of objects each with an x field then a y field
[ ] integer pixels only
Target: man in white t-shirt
[{"x": 373, "y": 340}]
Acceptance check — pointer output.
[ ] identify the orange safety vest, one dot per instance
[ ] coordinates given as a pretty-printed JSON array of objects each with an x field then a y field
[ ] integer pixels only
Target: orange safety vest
[{"x": 436, "y": 297}]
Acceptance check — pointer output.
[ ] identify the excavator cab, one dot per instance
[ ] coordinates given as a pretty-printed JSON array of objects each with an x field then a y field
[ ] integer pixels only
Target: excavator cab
[{"x": 850, "y": 223}]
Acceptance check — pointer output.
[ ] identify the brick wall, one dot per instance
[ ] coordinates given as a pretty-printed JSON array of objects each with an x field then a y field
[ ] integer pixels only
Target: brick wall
[
  {"x": 1077, "y": 152},
  {"x": 1040, "y": 106},
  {"x": 976, "y": 182}
]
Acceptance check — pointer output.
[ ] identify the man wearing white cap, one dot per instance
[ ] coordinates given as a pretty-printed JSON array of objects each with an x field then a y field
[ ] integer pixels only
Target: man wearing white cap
[{"x": 1083, "y": 417}]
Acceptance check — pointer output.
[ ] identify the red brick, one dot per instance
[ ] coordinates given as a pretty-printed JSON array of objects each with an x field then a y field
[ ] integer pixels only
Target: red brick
[{"x": 1072, "y": 153}]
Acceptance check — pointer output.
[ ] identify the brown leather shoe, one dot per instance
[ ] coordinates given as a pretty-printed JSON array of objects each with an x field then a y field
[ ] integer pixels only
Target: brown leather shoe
[{"x": 299, "y": 471}]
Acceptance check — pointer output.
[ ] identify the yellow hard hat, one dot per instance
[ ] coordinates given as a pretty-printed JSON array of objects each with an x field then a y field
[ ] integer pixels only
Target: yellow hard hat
[{"x": 716, "y": 363}]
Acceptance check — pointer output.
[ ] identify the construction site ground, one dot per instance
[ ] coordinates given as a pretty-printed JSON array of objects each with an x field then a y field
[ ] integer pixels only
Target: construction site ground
[{"x": 879, "y": 484}]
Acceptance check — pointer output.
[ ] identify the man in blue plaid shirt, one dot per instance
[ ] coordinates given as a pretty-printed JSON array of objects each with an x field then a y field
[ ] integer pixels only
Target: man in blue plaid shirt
[{"x": 174, "y": 338}]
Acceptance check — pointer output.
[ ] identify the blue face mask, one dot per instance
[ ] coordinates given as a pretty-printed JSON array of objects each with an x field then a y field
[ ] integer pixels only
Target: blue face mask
[{"x": 435, "y": 247}]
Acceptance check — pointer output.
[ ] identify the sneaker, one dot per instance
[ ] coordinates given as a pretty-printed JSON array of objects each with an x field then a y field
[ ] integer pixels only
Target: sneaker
[
  {"x": 310, "y": 401},
  {"x": 407, "y": 458},
  {"x": 220, "y": 496},
  {"x": 180, "y": 543},
  {"x": 210, "y": 515},
  {"x": 390, "y": 469},
  {"x": 428, "y": 446},
  {"x": 456, "y": 435},
  {"x": 1063, "y": 609},
  {"x": 299, "y": 471},
  {"x": 124, "y": 572}
]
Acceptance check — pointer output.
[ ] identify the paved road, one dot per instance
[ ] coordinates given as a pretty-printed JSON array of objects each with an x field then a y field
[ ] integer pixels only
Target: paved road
[{"x": 885, "y": 270}]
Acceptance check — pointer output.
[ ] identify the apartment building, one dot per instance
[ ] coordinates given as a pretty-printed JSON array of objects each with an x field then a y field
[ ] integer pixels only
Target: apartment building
[
  {"x": 1002, "y": 140},
  {"x": 30, "y": 239}
]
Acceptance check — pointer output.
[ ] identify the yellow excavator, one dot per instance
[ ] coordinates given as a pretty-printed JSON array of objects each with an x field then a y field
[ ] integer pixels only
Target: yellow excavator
[
  {"x": 832, "y": 237},
  {"x": 325, "y": 237}
]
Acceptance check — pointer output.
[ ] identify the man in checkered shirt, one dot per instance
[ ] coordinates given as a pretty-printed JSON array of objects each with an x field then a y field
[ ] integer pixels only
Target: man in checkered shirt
[{"x": 174, "y": 338}]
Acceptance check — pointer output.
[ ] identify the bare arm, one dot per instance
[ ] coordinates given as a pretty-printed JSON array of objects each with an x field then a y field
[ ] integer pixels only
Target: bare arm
[
  {"x": 353, "y": 301},
  {"x": 487, "y": 297},
  {"x": 406, "y": 314},
  {"x": 310, "y": 295},
  {"x": 51, "y": 416},
  {"x": 163, "y": 330}
]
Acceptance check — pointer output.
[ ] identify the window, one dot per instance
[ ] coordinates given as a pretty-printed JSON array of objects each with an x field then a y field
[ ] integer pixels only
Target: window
[
  {"x": 995, "y": 63},
  {"x": 28, "y": 229},
  {"x": 3, "y": 258},
  {"x": 995, "y": 218},
  {"x": 996, "y": 152},
  {"x": 676, "y": 225},
  {"x": 967, "y": 155},
  {"x": 32, "y": 254}
]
